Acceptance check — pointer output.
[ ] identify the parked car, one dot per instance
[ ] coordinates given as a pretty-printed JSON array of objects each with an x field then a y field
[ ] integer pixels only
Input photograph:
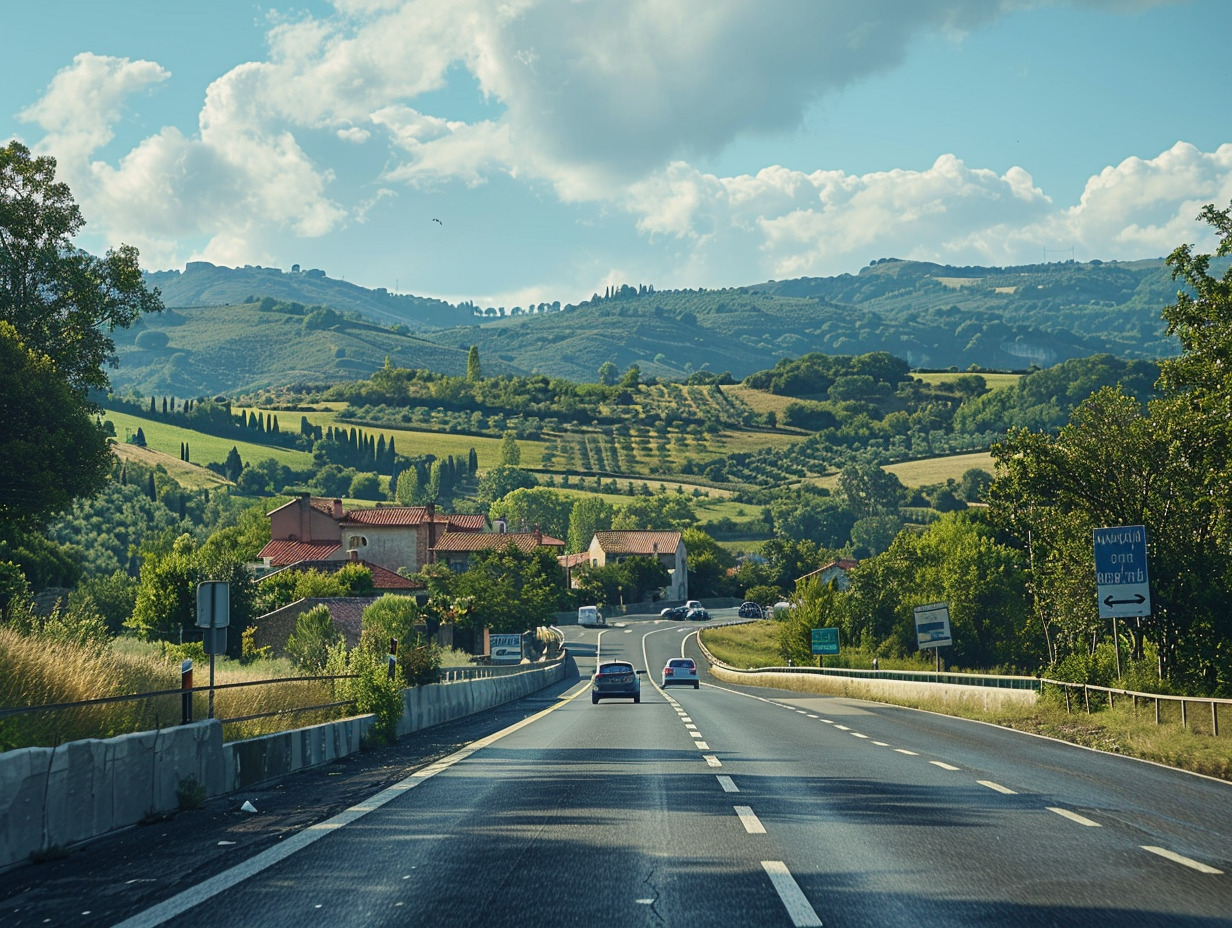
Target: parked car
[
  {"x": 750, "y": 610},
  {"x": 616, "y": 679},
  {"x": 590, "y": 616},
  {"x": 681, "y": 670},
  {"x": 698, "y": 615},
  {"x": 675, "y": 613}
]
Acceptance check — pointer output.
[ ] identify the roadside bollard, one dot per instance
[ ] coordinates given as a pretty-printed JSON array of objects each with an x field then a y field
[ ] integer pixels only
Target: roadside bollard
[{"x": 186, "y": 686}]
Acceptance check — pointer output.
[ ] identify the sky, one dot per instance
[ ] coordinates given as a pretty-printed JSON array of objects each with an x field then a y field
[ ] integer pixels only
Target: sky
[{"x": 513, "y": 152}]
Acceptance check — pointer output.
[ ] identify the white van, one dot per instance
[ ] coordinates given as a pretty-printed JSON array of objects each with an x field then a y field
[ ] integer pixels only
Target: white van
[{"x": 590, "y": 615}]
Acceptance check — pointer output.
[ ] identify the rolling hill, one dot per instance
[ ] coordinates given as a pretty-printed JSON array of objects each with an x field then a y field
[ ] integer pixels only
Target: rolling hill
[{"x": 238, "y": 329}]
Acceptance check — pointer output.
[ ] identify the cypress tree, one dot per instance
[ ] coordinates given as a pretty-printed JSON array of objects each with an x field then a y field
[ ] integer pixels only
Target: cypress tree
[
  {"x": 472, "y": 462},
  {"x": 150, "y": 489}
]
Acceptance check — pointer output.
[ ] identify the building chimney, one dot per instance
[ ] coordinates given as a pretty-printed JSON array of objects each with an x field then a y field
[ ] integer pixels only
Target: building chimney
[
  {"x": 338, "y": 509},
  {"x": 538, "y": 536},
  {"x": 354, "y": 553}
]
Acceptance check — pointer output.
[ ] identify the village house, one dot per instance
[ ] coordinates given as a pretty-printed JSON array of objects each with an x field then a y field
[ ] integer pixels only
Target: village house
[
  {"x": 456, "y": 548},
  {"x": 667, "y": 547},
  {"x": 310, "y": 528},
  {"x": 834, "y": 572}
]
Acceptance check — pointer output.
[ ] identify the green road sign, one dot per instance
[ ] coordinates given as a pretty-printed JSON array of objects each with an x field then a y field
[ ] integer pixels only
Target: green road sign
[{"x": 825, "y": 641}]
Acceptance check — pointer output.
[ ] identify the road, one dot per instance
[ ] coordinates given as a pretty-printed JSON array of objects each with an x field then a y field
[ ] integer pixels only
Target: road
[{"x": 742, "y": 806}]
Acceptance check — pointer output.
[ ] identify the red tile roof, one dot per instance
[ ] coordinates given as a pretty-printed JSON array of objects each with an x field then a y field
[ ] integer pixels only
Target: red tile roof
[
  {"x": 486, "y": 541},
  {"x": 466, "y": 522},
  {"x": 282, "y": 553},
  {"x": 382, "y": 578},
  {"x": 573, "y": 560},
  {"x": 647, "y": 543},
  {"x": 386, "y": 515}
]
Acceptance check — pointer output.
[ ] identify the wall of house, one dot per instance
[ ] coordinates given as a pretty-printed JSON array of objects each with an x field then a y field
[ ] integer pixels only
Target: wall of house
[
  {"x": 300, "y": 521},
  {"x": 391, "y": 546}
]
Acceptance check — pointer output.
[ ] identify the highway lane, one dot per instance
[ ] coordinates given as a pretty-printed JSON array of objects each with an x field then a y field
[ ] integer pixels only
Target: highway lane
[{"x": 747, "y": 806}]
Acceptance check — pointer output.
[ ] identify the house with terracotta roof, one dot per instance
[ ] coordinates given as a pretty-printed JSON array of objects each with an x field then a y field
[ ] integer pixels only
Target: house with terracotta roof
[
  {"x": 668, "y": 547},
  {"x": 456, "y": 548},
  {"x": 393, "y": 537},
  {"x": 834, "y": 572}
]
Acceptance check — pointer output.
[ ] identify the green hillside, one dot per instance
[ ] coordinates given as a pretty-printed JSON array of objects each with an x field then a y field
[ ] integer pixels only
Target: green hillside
[
  {"x": 204, "y": 351},
  {"x": 933, "y": 316}
]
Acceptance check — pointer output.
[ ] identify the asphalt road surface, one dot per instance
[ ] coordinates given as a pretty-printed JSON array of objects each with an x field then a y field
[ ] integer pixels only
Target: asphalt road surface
[{"x": 725, "y": 805}]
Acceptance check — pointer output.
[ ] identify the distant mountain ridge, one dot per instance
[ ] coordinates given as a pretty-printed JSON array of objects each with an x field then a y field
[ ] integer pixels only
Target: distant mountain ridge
[{"x": 932, "y": 315}]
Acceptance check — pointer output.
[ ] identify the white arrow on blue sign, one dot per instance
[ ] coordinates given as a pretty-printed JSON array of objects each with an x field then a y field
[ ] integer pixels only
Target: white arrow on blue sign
[{"x": 1121, "y": 581}]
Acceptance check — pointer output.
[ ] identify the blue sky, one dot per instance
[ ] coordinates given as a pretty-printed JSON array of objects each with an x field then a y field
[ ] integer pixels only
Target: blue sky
[{"x": 568, "y": 144}]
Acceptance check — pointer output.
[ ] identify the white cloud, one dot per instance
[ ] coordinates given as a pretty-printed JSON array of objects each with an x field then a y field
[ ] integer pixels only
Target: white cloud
[
  {"x": 606, "y": 103},
  {"x": 85, "y": 100}
]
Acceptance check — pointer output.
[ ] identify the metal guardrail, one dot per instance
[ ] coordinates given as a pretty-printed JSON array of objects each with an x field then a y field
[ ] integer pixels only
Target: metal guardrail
[{"x": 1158, "y": 699}]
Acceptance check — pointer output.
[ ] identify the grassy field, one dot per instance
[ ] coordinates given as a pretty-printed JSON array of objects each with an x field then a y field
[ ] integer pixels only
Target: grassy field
[
  {"x": 412, "y": 443},
  {"x": 203, "y": 449},
  {"x": 186, "y": 475},
  {"x": 939, "y": 470},
  {"x": 994, "y": 381},
  {"x": 1120, "y": 730}
]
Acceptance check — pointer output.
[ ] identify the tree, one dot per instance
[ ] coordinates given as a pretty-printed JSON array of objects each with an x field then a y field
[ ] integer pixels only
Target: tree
[
  {"x": 503, "y": 480},
  {"x": 607, "y": 373},
  {"x": 309, "y": 644},
  {"x": 709, "y": 565},
  {"x": 590, "y": 514},
  {"x": 62, "y": 301},
  {"x": 660, "y": 512},
  {"x": 536, "y": 507},
  {"x": 473, "y": 371},
  {"x": 51, "y": 449},
  {"x": 510, "y": 452}
]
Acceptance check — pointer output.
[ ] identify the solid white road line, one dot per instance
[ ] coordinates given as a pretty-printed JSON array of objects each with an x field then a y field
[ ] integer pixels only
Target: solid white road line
[
  {"x": 752, "y": 824},
  {"x": 802, "y": 914},
  {"x": 943, "y": 765},
  {"x": 168, "y": 909},
  {"x": 729, "y": 785},
  {"x": 997, "y": 786},
  {"x": 1186, "y": 861},
  {"x": 1074, "y": 817}
]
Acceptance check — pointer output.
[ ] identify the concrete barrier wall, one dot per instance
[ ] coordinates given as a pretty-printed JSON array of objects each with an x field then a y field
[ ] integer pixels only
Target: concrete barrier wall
[
  {"x": 56, "y": 797},
  {"x": 902, "y": 691}
]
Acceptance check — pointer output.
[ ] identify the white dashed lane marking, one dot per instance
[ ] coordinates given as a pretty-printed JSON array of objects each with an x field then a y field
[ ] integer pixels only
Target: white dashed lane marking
[
  {"x": 712, "y": 761},
  {"x": 752, "y": 824},
  {"x": 1184, "y": 861},
  {"x": 728, "y": 784},
  {"x": 943, "y": 765},
  {"x": 905, "y": 751},
  {"x": 799, "y": 910},
  {"x": 1074, "y": 817},
  {"x": 997, "y": 786}
]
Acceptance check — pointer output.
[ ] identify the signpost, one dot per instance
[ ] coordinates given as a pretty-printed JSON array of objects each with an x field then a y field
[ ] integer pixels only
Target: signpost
[
  {"x": 825, "y": 641},
  {"x": 213, "y": 615},
  {"x": 1121, "y": 581},
  {"x": 1122, "y": 586},
  {"x": 505, "y": 649},
  {"x": 932, "y": 628}
]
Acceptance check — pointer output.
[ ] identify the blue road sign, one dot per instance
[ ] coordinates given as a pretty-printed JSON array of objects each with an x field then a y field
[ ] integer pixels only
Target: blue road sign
[{"x": 1121, "y": 582}]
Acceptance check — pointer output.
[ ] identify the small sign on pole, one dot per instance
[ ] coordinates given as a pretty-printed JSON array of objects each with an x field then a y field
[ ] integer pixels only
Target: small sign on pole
[
  {"x": 825, "y": 641},
  {"x": 932, "y": 626}
]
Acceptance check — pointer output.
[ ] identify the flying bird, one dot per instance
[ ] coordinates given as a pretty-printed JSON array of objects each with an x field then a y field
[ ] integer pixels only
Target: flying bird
[{"x": 438, "y": 221}]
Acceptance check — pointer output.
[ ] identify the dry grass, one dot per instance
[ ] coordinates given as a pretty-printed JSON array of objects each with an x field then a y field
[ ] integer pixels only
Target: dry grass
[
  {"x": 753, "y": 645},
  {"x": 37, "y": 672},
  {"x": 992, "y": 381},
  {"x": 185, "y": 474}
]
